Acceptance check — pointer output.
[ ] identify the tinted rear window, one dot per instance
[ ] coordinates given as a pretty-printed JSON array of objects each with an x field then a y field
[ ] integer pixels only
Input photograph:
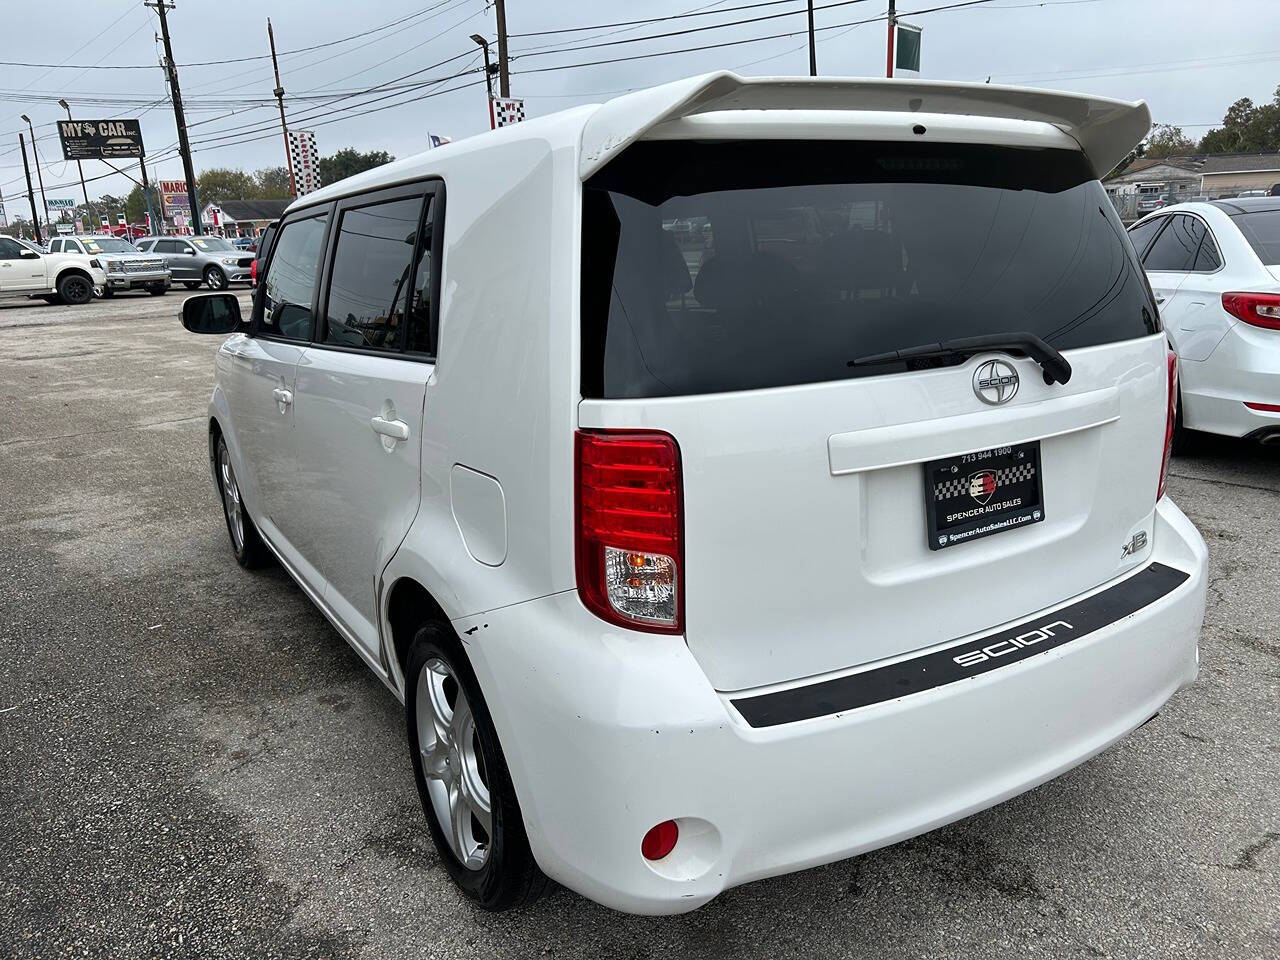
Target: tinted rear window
[
  {"x": 712, "y": 266},
  {"x": 1262, "y": 229}
]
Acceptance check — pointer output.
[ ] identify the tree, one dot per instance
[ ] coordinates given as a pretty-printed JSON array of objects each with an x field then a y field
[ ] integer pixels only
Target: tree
[
  {"x": 1166, "y": 140},
  {"x": 135, "y": 205},
  {"x": 273, "y": 183},
  {"x": 217, "y": 185},
  {"x": 1246, "y": 128},
  {"x": 348, "y": 162}
]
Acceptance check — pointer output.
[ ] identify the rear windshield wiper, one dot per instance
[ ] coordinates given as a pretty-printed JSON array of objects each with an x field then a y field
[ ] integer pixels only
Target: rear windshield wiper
[{"x": 1055, "y": 365}]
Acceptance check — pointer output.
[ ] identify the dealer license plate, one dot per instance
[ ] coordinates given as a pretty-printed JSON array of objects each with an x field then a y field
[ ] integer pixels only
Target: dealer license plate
[{"x": 977, "y": 494}]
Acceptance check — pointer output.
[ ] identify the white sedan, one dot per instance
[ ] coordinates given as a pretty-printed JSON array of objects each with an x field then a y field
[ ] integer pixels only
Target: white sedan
[{"x": 1215, "y": 270}]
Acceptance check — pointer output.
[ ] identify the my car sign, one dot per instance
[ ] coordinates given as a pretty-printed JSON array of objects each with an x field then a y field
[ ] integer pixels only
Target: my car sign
[{"x": 100, "y": 139}]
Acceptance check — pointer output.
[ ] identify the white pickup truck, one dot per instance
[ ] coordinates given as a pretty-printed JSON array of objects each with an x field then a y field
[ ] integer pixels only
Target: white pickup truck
[{"x": 26, "y": 271}]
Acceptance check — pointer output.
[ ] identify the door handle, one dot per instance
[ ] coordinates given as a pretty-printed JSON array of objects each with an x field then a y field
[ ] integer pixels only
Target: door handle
[
  {"x": 395, "y": 429},
  {"x": 283, "y": 398}
]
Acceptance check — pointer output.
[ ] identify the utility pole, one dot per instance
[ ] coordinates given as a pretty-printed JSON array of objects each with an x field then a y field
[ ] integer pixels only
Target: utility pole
[
  {"x": 85, "y": 190},
  {"x": 152, "y": 225},
  {"x": 279, "y": 91},
  {"x": 504, "y": 76},
  {"x": 184, "y": 146},
  {"x": 813, "y": 50},
  {"x": 31, "y": 194},
  {"x": 35, "y": 155},
  {"x": 893, "y": 23}
]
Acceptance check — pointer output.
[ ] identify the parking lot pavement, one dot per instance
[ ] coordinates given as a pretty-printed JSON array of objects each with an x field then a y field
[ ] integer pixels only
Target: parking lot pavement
[{"x": 193, "y": 763}]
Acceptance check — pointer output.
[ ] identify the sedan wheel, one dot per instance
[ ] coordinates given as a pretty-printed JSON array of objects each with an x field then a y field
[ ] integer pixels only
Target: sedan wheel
[{"x": 231, "y": 499}]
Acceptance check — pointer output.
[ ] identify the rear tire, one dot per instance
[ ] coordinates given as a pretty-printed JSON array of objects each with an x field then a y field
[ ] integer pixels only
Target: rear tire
[
  {"x": 51, "y": 298},
  {"x": 75, "y": 289},
  {"x": 250, "y": 552},
  {"x": 462, "y": 776},
  {"x": 107, "y": 293},
  {"x": 1186, "y": 442},
  {"x": 159, "y": 290}
]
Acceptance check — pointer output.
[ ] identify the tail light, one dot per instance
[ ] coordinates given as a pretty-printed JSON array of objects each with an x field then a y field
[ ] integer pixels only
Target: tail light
[
  {"x": 1257, "y": 309},
  {"x": 1171, "y": 417},
  {"x": 630, "y": 529},
  {"x": 253, "y": 273}
]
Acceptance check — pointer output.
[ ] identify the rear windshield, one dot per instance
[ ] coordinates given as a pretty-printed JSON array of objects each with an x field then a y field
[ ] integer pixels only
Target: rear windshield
[
  {"x": 713, "y": 266},
  {"x": 1262, "y": 229}
]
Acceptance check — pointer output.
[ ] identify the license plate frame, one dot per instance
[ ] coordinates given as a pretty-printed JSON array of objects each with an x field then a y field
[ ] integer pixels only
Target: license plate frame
[{"x": 1010, "y": 477}]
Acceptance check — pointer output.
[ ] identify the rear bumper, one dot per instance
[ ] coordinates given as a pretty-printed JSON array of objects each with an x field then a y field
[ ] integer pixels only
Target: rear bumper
[
  {"x": 607, "y": 733},
  {"x": 1244, "y": 368}
]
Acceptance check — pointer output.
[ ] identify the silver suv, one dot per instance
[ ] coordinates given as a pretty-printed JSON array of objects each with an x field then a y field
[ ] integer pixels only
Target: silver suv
[
  {"x": 196, "y": 260},
  {"x": 125, "y": 266}
]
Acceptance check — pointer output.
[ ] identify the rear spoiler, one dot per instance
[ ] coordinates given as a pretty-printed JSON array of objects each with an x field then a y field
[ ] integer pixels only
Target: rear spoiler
[{"x": 1105, "y": 129}]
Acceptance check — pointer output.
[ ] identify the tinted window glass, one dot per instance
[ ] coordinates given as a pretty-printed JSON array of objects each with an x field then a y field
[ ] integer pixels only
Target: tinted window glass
[
  {"x": 9, "y": 249},
  {"x": 167, "y": 246},
  {"x": 291, "y": 279},
  {"x": 420, "y": 337},
  {"x": 1262, "y": 229},
  {"x": 372, "y": 274},
  {"x": 55, "y": 246},
  {"x": 735, "y": 265},
  {"x": 1208, "y": 259},
  {"x": 1175, "y": 248},
  {"x": 1141, "y": 236}
]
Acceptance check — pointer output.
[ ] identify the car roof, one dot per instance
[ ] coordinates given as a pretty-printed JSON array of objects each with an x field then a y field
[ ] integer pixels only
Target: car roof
[
  {"x": 1239, "y": 205},
  {"x": 1105, "y": 129}
]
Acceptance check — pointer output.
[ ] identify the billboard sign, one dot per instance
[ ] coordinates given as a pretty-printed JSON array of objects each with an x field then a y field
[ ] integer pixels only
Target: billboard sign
[
  {"x": 173, "y": 196},
  {"x": 100, "y": 139},
  {"x": 56, "y": 203}
]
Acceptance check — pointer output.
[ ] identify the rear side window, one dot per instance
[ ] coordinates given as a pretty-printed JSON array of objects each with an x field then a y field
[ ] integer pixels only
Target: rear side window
[
  {"x": 291, "y": 279},
  {"x": 1208, "y": 258},
  {"x": 714, "y": 266},
  {"x": 372, "y": 280},
  {"x": 1261, "y": 228},
  {"x": 1176, "y": 248},
  {"x": 1142, "y": 234},
  {"x": 55, "y": 247}
]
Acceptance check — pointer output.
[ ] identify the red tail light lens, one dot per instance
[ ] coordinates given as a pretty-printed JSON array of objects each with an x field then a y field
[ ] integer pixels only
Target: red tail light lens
[
  {"x": 1171, "y": 417},
  {"x": 629, "y": 550},
  {"x": 253, "y": 273},
  {"x": 1257, "y": 309}
]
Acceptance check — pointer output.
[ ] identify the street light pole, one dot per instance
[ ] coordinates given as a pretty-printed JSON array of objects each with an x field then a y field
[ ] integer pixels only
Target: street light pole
[
  {"x": 488, "y": 75},
  {"x": 813, "y": 51},
  {"x": 31, "y": 194},
  {"x": 83, "y": 189},
  {"x": 39, "y": 176}
]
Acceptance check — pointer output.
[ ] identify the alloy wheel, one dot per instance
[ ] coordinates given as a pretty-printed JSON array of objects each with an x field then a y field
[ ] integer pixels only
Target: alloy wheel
[
  {"x": 231, "y": 498},
  {"x": 453, "y": 764}
]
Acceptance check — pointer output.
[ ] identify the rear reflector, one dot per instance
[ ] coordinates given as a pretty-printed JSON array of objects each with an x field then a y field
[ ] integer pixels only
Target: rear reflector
[
  {"x": 660, "y": 840},
  {"x": 1170, "y": 421},
  {"x": 629, "y": 550},
  {"x": 1256, "y": 309},
  {"x": 1264, "y": 407}
]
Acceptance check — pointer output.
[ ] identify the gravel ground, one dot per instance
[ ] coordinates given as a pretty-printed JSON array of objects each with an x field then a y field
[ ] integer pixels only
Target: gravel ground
[{"x": 193, "y": 763}]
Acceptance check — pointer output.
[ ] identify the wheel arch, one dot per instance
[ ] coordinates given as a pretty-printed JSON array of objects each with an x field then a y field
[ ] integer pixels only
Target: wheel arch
[
  {"x": 69, "y": 270},
  {"x": 408, "y": 606}
]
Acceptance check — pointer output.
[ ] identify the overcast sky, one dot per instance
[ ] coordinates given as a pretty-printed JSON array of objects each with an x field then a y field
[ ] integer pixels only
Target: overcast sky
[{"x": 1188, "y": 58}]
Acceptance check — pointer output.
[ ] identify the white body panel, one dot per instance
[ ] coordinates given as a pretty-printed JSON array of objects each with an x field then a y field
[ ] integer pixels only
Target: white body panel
[
  {"x": 39, "y": 275},
  {"x": 476, "y": 505},
  {"x": 1224, "y": 362}
]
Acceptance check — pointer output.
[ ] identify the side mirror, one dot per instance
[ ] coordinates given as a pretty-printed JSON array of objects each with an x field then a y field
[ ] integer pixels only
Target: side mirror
[
  {"x": 189, "y": 252},
  {"x": 26, "y": 254},
  {"x": 216, "y": 313}
]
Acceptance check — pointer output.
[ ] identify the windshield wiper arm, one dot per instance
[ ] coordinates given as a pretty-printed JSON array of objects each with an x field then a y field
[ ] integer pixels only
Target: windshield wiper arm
[{"x": 1056, "y": 367}]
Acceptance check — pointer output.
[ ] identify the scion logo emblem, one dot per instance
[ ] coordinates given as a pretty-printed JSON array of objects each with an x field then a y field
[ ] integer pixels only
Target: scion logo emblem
[{"x": 995, "y": 382}]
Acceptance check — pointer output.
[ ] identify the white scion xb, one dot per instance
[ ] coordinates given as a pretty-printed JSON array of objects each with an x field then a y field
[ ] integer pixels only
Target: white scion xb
[{"x": 730, "y": 478}]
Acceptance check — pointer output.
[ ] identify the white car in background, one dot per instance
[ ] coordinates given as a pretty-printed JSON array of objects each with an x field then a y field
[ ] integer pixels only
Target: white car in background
[
  {"x": 1215, "y": 270},
  {"x": 27, "y": 271}
]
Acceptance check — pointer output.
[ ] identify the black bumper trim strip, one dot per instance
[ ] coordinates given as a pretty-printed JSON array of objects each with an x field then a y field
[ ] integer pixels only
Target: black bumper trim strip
[{"x": 964, "y": 659}]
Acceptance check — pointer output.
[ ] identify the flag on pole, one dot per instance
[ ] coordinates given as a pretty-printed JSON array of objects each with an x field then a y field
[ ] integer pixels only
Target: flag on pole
[
  {"x": 306, "y": 161},
  {"x": 507, "y": 110},
  {"x": 436, "y": 140},
  {"x": 907, "y": 47}
]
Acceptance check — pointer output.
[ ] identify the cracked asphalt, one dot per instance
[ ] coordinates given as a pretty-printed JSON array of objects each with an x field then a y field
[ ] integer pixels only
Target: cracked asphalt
[{"x": 194, "y": 764}]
